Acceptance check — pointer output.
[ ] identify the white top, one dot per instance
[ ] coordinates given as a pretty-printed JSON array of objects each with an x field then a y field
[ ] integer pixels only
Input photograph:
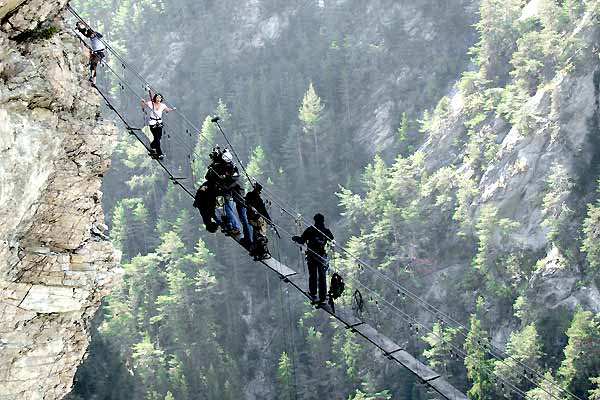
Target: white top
[{"x": 155, "y": 112}]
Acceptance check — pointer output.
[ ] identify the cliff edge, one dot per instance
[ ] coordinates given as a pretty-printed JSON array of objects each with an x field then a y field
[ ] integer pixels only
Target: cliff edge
[{"x": 56, "y": 264}]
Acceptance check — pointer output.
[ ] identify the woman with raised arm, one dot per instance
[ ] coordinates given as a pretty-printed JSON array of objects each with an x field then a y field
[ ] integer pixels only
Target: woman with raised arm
[
  {"x": 96, "y": 47},
  {"x": 155, "y": 109}
]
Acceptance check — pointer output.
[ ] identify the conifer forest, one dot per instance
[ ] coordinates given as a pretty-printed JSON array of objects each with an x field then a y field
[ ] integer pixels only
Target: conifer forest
[{"x": 453, "y": 147}]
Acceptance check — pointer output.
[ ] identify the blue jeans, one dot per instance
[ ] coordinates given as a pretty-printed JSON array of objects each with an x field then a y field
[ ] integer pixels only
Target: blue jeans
[
  {"x": 230, "y": 215},
  {"x": 241, "y": 210}
]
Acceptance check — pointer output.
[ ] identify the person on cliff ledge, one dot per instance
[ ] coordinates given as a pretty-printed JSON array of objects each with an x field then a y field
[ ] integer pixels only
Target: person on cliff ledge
[{"x": 96, "y": 47}]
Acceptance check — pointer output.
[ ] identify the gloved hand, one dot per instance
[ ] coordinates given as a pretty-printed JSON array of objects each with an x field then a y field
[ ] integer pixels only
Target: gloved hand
[{"x": 297, "y": 239}]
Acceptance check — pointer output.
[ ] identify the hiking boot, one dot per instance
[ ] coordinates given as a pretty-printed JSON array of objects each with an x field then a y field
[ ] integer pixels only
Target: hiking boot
[
  {"x": 260, "y": 257},
  {"x": 211, "y": 228}
]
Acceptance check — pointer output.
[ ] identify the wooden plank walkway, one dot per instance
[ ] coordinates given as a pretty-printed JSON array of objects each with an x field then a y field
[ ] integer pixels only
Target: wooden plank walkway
[{"x": 389, "y": 348}]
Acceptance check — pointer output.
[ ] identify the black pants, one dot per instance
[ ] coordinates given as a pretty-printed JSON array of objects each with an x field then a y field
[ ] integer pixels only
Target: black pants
[
  {"x": 317, "y": 272},
  {"x": 157, "y": 131},
  {"x": 209, "y": 218}
]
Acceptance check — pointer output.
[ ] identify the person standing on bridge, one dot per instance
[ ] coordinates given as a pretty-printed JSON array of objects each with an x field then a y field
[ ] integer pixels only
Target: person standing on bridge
[
  {"x": 316, "y": 237},
  {"x": 258, "y": 217},
  {"x": 156, "y": 108},
  {"x": 96, "y": 47}
]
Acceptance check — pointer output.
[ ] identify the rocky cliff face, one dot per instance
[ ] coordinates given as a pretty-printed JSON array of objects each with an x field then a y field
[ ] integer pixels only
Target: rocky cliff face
[
  {"x": 561, "y": 135},
  {"x": 55, "y": 262}
]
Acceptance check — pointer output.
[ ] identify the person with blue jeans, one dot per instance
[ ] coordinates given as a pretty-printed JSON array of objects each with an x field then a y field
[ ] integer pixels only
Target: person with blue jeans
[
  {"x": 230, "y": 183},
  {"x": 240, "y": 205}
]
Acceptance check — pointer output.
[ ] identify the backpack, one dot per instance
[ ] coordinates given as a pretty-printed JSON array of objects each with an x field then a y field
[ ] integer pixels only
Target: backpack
[{"x": 336, "y": 288}]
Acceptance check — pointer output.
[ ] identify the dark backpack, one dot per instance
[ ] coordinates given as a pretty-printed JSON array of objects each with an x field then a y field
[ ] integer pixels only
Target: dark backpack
[{"x": 336, "y": 288}]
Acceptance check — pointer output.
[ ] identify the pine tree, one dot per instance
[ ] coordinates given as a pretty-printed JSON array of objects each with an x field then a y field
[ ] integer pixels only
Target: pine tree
[
  {"x": 256, "y": 167},
  {"x": 582, "y": 354},
  {"x": 523, "y": 348},
  {"x": 595, "y": 393},
  {"x": 548, "y": 388},
  {"x": 591, "y": 240},
  {"x": 441, "y": 355},
  {"x": 557, "y": 213},
  {"x": 499, "y": 30},
  {"x": 285, "y": 377},
  {"x": 478, "y": 365},
  {"x": 150, "y": 364}
]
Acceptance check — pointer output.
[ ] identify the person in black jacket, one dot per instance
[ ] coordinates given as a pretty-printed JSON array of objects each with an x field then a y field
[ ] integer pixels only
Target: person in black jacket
[
  {"x": 224, "y": 176},
  {"x": 258, "y": 217},
  {"x": 316, "y": 238},
  {"x": 206, "y": 202},
  {"x": 229, "y": 185}
]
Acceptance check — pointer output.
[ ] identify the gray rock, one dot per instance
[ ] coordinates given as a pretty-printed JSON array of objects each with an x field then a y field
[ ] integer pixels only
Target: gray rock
[{"x": 53, "y": 270}]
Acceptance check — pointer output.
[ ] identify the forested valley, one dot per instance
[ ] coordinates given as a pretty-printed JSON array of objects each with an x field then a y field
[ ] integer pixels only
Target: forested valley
[{"x": 452, "y": 145}]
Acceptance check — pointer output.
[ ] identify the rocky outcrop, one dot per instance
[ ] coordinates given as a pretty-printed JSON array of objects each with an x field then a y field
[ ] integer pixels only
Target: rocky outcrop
[
  {"x": 562, "y": 132},
  {"x": 56, "y": 263}
]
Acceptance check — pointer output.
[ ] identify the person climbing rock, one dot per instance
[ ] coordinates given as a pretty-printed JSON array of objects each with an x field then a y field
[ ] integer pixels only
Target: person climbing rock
[
  {"x": 316, "y": 237},
  {"x": 96, "y": 48},
  {"x": 155, "y": 107},
  {"x": 258, "y": 218}
]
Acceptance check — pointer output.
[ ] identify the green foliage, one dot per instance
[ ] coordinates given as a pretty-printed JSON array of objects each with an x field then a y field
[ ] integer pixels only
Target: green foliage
[
  {"x": 523, "y": 347},
  {"x": 440, "y": 355},
  {"x": 310, "y": 111},
  {"x": 499, "y": 29},
  {"x": 130, "y": 215},
  {"x": 535, "y": 59},
  {"x": 555, "y": 209},
  {"x": 595, "y": 393},
  {"x": 352, "y": 354},
  {"x": 403, "y": 128},
  {"x": 476, "y": 361},
  {"x": 176, "y": 322},
  {"x": 285, "y": 377},
  {"x": 359, "y": 395},
  {"x": 549, "y": 388},
  {"x": 432, "y": 124},
  {"x": 493, "y": 234},
  {"x": 467, "y": 190},
  {"x": 582, "y": 355},
  {"x": 520, "y": 308},
  {"x": 256, "y": 167},
  {"x": 591, "y": 238},
  {"x": 40, "y": 33}
]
